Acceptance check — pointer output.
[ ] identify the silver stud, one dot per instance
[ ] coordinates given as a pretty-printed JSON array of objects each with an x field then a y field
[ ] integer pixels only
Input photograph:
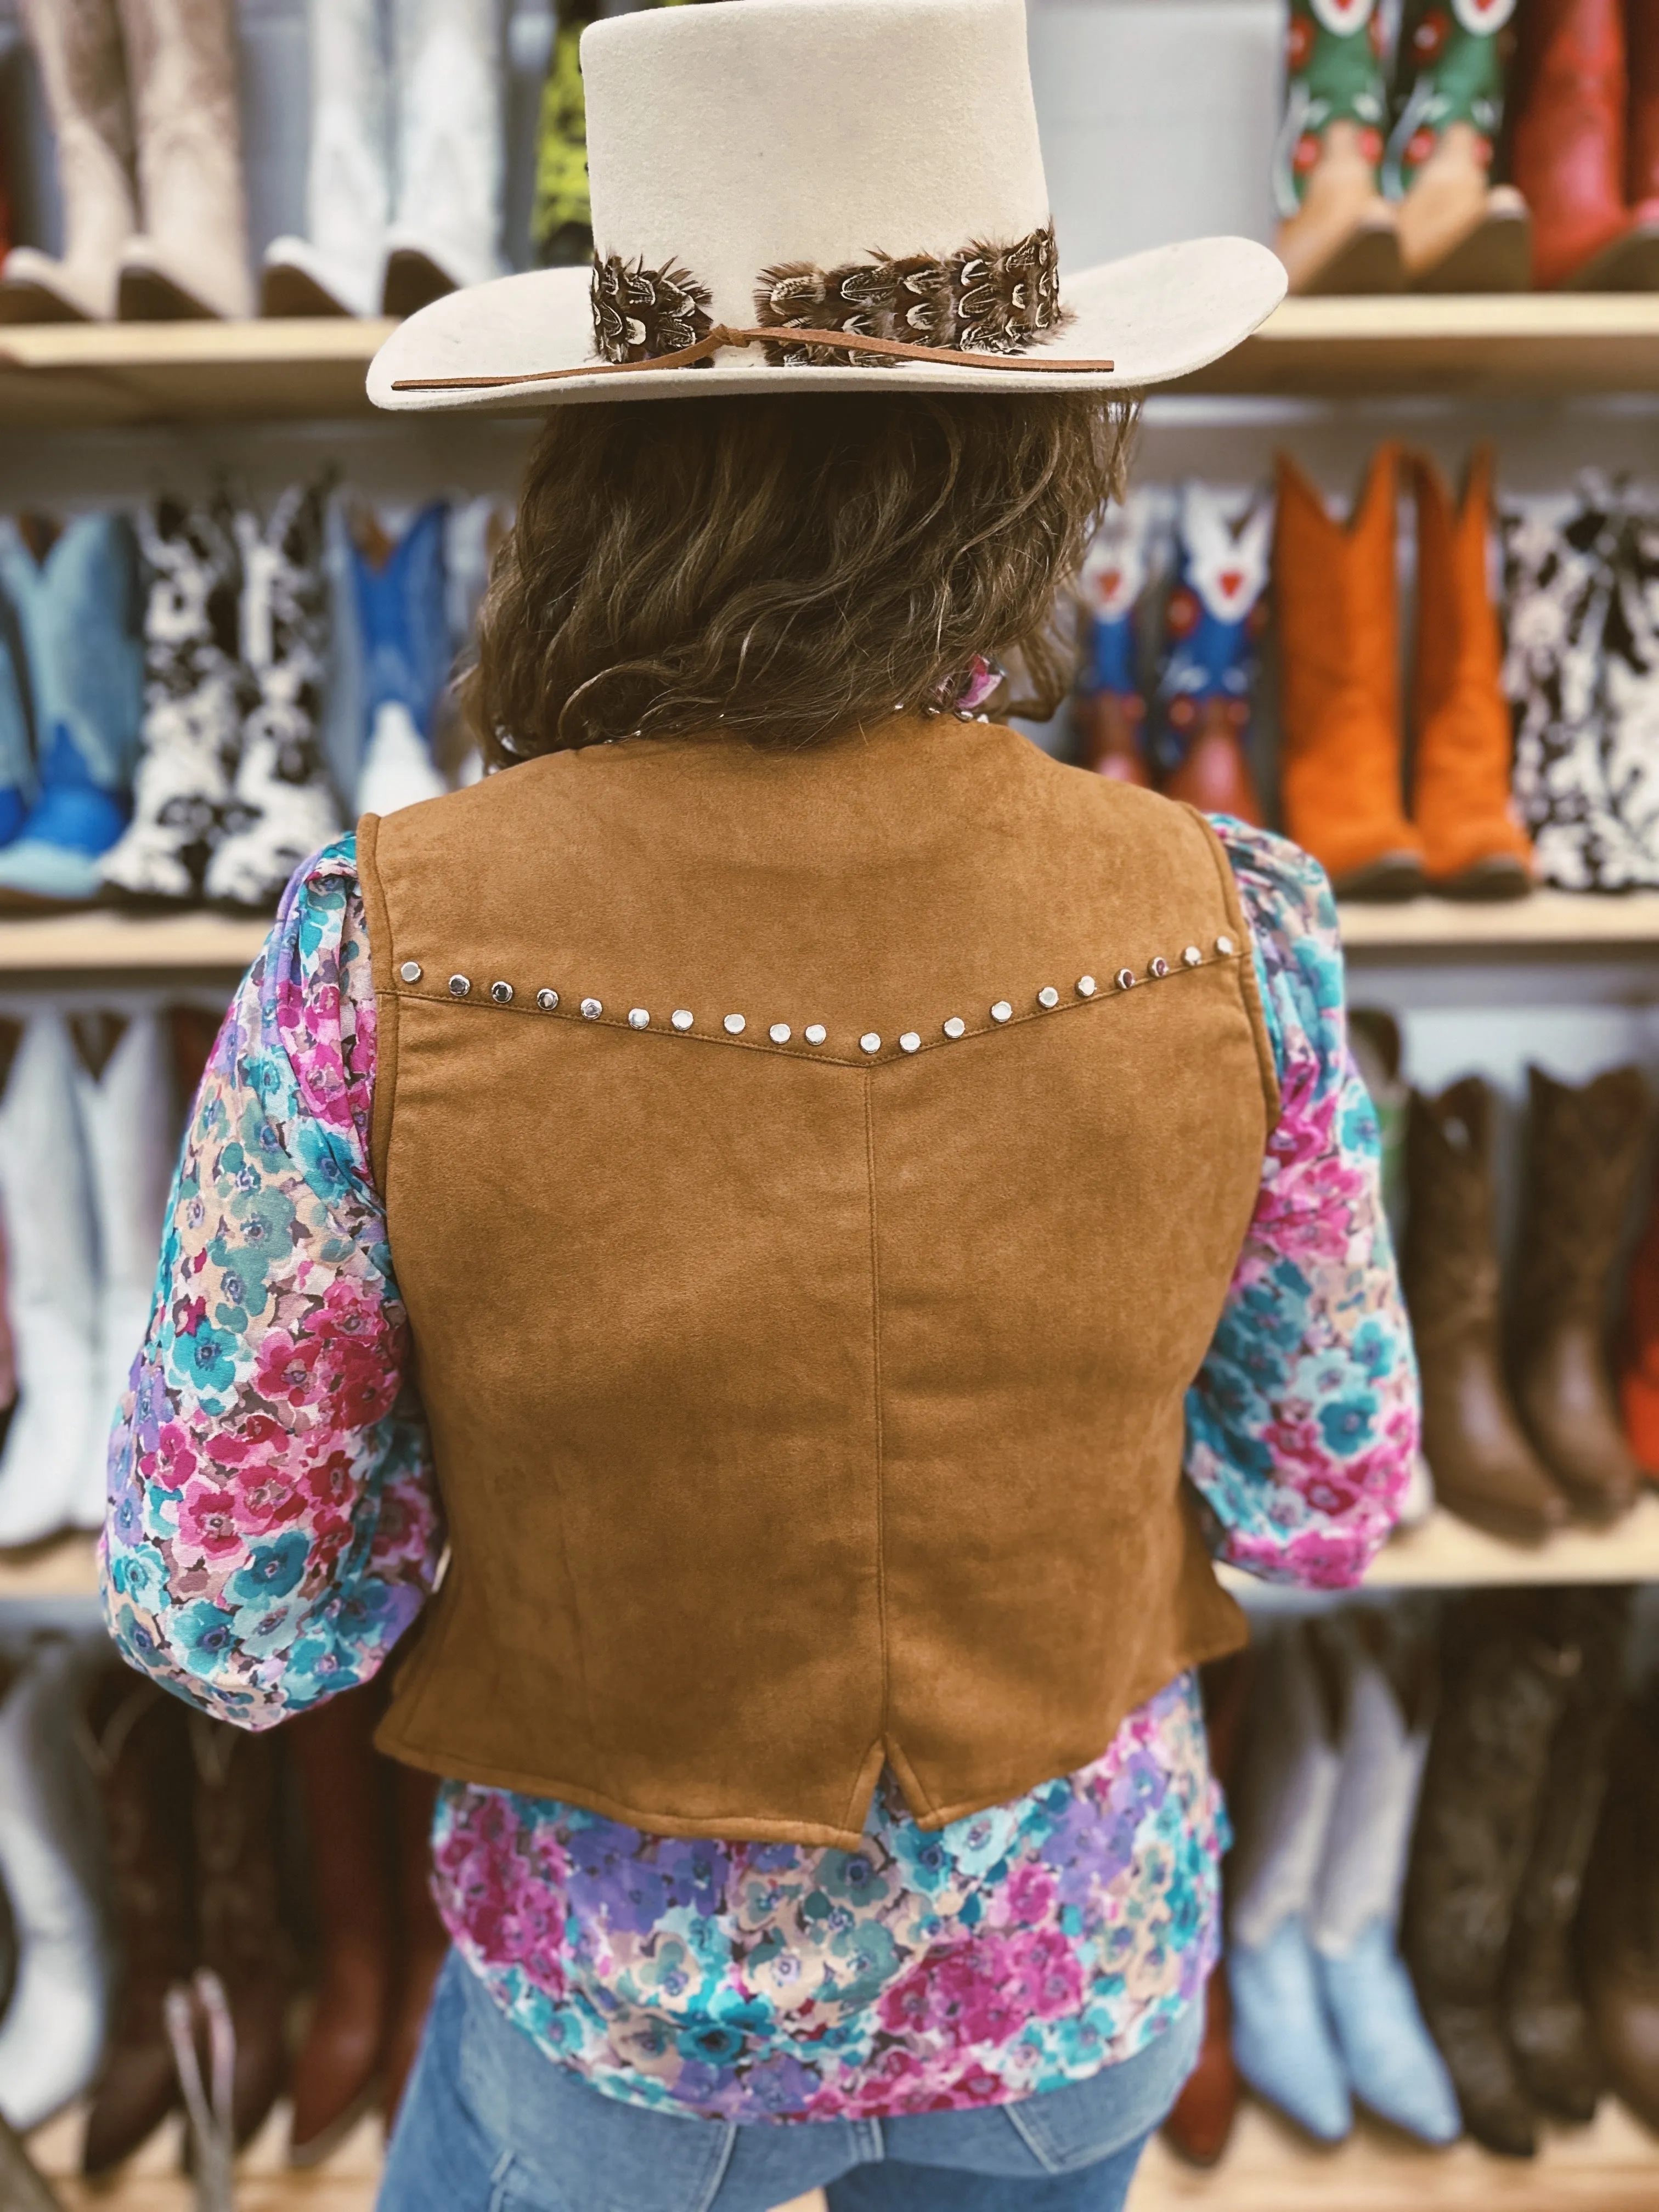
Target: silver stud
[
  {"x": 638, "y": 1018},
  {"x": 592, "y": 1009},
  {"x": 501, "y": 993},
  {"x": 1126, "y": 977},
  {"x": 733, "y": 1025},
  {"x": 779, "y": 1033},
  {"x": 1160, "y": 968},
  {"x": 681, "y": 1017},
  {"x": 1086, "y": 987},
  {"x": 1224, "y": 945},
  {"x": 459, "y": 987},
  {"x": 869, "y": 1041},
  {"x": 1002, "y": 1012},
  {"x": 1192, "y": 958},
  {"x": 956, "y": 1027},
  {"x": 1047, "y": 996},
  {"x": 910, "y": 1041},
  {"x": 547, "y": 1000},
  {"x": 814, "y": 1033},
  {"x": 411, "y": 971}
]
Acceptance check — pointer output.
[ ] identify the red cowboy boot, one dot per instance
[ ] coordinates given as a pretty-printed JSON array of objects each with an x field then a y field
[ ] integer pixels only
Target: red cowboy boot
[
  {"x": 1568, "y": 155},
  {"x": 1642, "y": 146}
]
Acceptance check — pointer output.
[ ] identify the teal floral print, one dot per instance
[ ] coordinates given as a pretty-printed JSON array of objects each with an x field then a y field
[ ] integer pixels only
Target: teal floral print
[{"x": 274, "y": 1528}]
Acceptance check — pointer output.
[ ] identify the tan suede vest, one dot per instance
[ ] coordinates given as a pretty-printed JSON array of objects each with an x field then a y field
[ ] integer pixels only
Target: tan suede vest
[{"x": 804, "y": 1303}]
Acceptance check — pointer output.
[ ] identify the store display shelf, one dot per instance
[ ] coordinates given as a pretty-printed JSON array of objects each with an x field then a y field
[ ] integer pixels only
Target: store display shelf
[
  {"x": 65, "y": 1566},
  {"x": 1547, "y": 921},
  {"x": 1468, "y": 345},
  {"x": 82, "y": 375},
  {"x": 128, "y": 943},
  {"x": 1447, "y": 1553}
]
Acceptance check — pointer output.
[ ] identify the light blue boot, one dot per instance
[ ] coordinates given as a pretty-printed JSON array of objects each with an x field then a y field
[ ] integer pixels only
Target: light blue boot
[
  {"x": 17, "y": 785},
  {"x": 1390, "y": 2054},
  {"x": 1282, "y": 2041},
  {"x": 77, "y": 607},
  {"x": 402, "y": 618}
]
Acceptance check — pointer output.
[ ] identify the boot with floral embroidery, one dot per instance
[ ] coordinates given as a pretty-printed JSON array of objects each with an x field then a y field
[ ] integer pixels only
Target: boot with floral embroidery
[
  {"x": 1108, "y": 711},
  {"x": 1458, "y": 231},
  {"x": 1337, "y": 233},
  {"x": 1212, "y": 621}
]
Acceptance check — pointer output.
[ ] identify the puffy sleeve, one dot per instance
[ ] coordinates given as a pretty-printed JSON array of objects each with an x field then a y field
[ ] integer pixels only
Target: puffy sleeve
[
  {"x": 273, "y": 1525},
  {"x": 1302, "y": 1426}
]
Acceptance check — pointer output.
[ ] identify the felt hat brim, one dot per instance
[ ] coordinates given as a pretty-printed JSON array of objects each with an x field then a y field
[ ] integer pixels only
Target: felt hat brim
[{"x": 1155, "y": 316}]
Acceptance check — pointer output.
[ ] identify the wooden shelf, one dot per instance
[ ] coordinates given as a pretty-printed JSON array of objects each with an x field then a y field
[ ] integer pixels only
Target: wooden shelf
[
  {"x": 1547, "y": 921},
  {"x": 128, "y": 943},
  {"x": 63, "y": 1566},
  {"x": 55, "y": 376}
]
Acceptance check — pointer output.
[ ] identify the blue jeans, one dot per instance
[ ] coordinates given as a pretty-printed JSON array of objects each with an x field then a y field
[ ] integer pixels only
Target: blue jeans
[{"x": 489, "y": 2125}]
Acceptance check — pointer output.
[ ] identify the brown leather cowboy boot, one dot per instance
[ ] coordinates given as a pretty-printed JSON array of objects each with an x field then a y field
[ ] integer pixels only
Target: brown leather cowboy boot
[
  {"x": 1483, "y": 1466},
  {"x": 1618, "y": 1929},
  {"x": 1505, "y": 1687},
  {"x": 137, "y": 1738},
  {"x": 1549, "y": 2025},
  {"x": 1583, "y": 1147},
  {"x": 344, "y": 1788},
  {"x": 242, "y": 1937},
  {"x": 422, "y": 1939}
]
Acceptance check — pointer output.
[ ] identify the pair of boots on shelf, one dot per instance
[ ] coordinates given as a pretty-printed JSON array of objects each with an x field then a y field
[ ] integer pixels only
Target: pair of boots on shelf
[
  {"x": 1204, "y": 663},
  {"x": 1581, "y": 592},
  {"x": 1342, "y": 764},
  {"x": 1323, "y": 2012},
  {"x": 1532, "y": 2005},
  {"x": 230, "y": 791},
  {"x": 88, "y": 1133},
  {"x": 406, "y": 178},
  {"x": 1382, "y": 185},
  {"x": 1585, "y": 149},
  {"x": 1519, "y": 1422},
  {"x": 141, "y": 97}
]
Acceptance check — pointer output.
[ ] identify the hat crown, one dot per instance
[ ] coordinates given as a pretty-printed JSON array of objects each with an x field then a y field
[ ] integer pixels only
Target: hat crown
[{"x": 732, "y": 141}]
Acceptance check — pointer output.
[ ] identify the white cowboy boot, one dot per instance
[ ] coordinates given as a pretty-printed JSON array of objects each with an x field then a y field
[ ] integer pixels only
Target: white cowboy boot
[
  {"x": 78, "y": 44},
  {"x": 449, "y": 66},
  {"x": 336, "y": 268},
  {"x": 124, "y": 1089},
  {"x": 191, "y": 260},
  {"x": 53, "y": 2034},
  {"x": 52, "y": 1286}
]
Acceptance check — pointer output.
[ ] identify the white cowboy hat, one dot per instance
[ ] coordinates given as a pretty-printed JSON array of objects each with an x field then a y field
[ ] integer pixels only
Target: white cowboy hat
[{"x": 821, "y": 196}]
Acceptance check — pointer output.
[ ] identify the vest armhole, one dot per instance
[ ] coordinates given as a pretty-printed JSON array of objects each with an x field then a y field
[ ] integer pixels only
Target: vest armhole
[
  {"x": 377, "y": 916},
  {"x": 1249, "y": 990}
]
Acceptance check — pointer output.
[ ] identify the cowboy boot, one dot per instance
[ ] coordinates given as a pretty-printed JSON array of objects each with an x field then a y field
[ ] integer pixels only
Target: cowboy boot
[
  {"x": 1642, "y": 69},
  {"x": 1503, "y": 1689},
  {"x": 1568, "y": 151},
  {"x": 1336, "y": 232},
  {"x": 1200, "y": 2121},
  {"x": 422, "y": 1939},
  {"x": 194, "y": 705},
  {"x": 1631, "y": 675},
  {"x": 1483, "y": 1467},
  {"x": 1639, "y": 1367},
  {"x": 1473, "y": 844},
  {"x": 1618, "y": 1927},
  {"x": 1108, "y": 713},
  {"x": 137, "y": 1738},
  {"x": 1584, "y": 1146},
  {"x": 1549, "y": 2025},
  {"x": 1391, "y": 2062},
  {"x": 75, "y": 593},
  {"x": 128, "y": 1133},
  {"x": 450, "y": 71},
  {"x": 1212, "y": 621},
  {"x": 1458, "y": 231},
  {"x": 335, "y": 269},
  {"x": 51, "y": 1258},
  {"x": 344, "y": 1793},
  {"x": 1280, "y": 2036},
  {"x": 53, "y": 2028},
  {"x": 23, "y": 2187},
  {"x": 283, "y": 809},
  {"x": 403, "y": 627},
  {"x": 562, "y": 219},
  {"x": 77, "y": 45},
  {"x": 190, "y": 261},
  {"x": 241, "y": 1936},
  {"x": 1336, "y": 600}
]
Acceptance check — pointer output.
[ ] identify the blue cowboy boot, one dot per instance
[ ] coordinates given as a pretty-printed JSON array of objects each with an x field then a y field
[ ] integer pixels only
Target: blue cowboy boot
[
  {"x": 1212, "y": 622},
  {"x": 401, "y": 592},
  {"x": 1108, "y": 711}
]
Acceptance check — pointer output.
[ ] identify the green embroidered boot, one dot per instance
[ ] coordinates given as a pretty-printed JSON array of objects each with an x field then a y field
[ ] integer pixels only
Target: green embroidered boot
[
  {"x": 1458, "y": 231},
  {"x": 560, "y": 225},
  {"x": 1337, "y": 234}
]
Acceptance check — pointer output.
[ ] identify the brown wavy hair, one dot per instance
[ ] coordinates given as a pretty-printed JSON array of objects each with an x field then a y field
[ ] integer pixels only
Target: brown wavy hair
[{"x": 786, "y": 565}]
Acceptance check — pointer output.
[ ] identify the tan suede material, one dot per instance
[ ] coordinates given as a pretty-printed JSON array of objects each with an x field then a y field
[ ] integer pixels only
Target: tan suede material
[{"x": 797, "y": 1408}]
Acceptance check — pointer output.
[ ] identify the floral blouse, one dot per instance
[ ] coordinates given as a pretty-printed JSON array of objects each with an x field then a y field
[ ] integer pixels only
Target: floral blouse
[{"x": 275, "y": 1527}]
